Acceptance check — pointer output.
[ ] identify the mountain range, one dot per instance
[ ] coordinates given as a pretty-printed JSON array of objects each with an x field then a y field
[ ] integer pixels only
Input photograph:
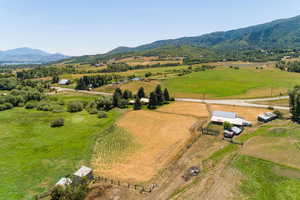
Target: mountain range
[
  {"x": 29, "y": 56},
  {"x": 283, "y": 33}
]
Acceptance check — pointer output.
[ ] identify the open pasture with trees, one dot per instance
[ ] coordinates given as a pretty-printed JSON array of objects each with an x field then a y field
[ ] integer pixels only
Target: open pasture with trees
[{"x": 34, "y": 156}]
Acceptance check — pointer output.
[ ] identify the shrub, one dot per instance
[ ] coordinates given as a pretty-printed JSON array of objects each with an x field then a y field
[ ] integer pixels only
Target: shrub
[
  {"x": 30, "y": 105},
  {"x": 278, "y": 113},
  {"x": 57, "y": 122},
  {"x": 58, "y": 109},
  {"x": 227, "y": 126},
  {"x": 61, "y": 102},
  {"x": 44, "y": 107},
  {"x": 75, "y": 106},
  {"x": 8, "y": 106},
  {"x": 270, "y": 108},
  {"x": 2, "y": 107},
  {"x": 93, "y": 111},
  {"x": 102, "y": 114}
]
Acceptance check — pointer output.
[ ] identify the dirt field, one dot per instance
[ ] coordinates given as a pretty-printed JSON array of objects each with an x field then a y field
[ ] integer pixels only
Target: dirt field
[
  {"x": 186, "y": 108},
  {"x": 160, "y": 137},
  {"x": 276, "y": 149},
  {"x": 248, "y": 113}
]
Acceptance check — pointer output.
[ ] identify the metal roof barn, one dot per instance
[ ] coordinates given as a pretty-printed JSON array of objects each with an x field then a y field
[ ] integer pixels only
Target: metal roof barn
[{"x": 230, "y": 115}]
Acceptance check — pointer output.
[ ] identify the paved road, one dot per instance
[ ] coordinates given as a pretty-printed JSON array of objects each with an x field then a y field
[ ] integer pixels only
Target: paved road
[
  {"x": 59, "y": 89},
  {"x": 239, "y": 102},
  {"x": 233, "y": 102}
]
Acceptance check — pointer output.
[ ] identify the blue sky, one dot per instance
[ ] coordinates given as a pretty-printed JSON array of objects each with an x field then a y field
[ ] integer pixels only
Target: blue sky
[{"x": 78, "y": 27}]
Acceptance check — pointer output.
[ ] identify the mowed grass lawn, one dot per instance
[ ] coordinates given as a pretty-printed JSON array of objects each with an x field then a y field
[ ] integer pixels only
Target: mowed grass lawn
[
  {"x": 34, "y": 156},
  {"x": 227, "y": 82}
]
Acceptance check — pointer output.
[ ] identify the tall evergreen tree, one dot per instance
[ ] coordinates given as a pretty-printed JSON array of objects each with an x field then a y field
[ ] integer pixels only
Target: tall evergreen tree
[
  {"x": 55, "y": 79},
  {"x": 137, "y": 104},
  {"x": 127, "y": 94},
  {"x": 159, "y": 94},
  {"x": 117, "y": 97},
  {"x": 141, "y": 93},
  {"x": 166, "y": 94},
  {"x": 153, "y": 101}
]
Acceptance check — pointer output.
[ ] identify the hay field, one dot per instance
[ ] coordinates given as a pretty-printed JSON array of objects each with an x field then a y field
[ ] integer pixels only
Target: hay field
[
  {"x": 159, "y": 137},
  {"x": 186, "y": 108}
]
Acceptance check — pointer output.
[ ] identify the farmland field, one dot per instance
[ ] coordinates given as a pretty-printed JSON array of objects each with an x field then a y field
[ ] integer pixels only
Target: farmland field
[
  {"x": 246, "y": 82},
  {"x": 157, "y": 138},
  {"x": 34, "y": 156}
]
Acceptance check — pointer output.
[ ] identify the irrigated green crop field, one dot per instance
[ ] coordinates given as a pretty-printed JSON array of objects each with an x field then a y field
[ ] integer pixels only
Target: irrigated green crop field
[
  {"x": 34, "y": 156},
  {"x": 246, "y": 82}
]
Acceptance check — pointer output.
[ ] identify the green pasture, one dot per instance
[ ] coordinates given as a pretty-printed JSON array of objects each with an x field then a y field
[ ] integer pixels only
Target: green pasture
[
  {"x": 34, "y": 156},
  {"x": 227, "y": 82}
]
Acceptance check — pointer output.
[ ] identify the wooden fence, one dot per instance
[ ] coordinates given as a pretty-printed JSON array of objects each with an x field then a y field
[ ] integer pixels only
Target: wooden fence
[{"x": 100, "y": 179}]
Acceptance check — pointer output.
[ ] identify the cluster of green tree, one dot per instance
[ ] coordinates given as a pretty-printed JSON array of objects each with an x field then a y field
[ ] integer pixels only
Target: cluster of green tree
[
  {"x": 19, "y": 97},
  {"x": 190, "y": 69},
  {"x": 40, "y": 72},
  {"x": 294, "y": 101},
  {"x": 87, "y": 82},
  {"x": 8, "y": 83},
  {"x": 158, "y": 97},
  {"x": 289, "y": 66}
]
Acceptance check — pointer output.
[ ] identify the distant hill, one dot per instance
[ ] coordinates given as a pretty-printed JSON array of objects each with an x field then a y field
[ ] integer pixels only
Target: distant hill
[
  {"x": 29, "y": 56},
  {"x": 275, "y": 35},
  {"x": 283, "y": 33}
]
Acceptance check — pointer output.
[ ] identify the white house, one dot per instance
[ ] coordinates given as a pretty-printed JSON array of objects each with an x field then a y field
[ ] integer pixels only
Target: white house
[
  {"x": 230, "y": 117},
  {"x": 64, "y": 82}
]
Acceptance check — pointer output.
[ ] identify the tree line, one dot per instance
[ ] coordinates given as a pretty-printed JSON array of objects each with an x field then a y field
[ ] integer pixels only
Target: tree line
[{"x": 289, "y": 66}]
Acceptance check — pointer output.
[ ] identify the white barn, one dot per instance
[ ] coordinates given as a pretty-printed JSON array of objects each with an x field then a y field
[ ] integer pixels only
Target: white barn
[{"x": 230, "y": 117}]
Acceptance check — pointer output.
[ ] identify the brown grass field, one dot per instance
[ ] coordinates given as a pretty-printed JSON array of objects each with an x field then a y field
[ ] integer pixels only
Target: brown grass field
[
  {"x": 160, "y": 137},
  {"x": 186, "y": 108}
]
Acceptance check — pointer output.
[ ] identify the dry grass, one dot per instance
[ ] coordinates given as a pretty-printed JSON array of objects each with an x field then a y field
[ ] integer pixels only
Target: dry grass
[
  {"x": 160, "y": 137},
  {"x": 186, "y": 108},
  {"x": 248, "y": 113}
]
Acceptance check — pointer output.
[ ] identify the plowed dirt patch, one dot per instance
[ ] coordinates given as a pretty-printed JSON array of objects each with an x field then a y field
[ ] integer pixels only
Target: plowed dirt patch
[
  {"x": 160, "y": 137},
  {"x": 248, "y": 113},
  {"x": 276, "y": 149},
  {"x": 186, "y": 108}
]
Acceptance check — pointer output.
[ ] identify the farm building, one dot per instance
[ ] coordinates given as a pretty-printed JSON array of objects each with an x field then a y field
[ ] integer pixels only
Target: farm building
[
  {"x": 221, "y": 116},
  {"x": 143, "y": 101},
  {"x": 64, "y": 82},
  {"x": 83, "y": 172},
  {"x": 64, "y": 182},
  {"x": 136, "y": 79},
  {"x": 266, "y": 117}
]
